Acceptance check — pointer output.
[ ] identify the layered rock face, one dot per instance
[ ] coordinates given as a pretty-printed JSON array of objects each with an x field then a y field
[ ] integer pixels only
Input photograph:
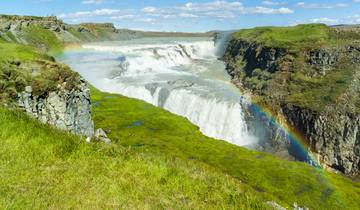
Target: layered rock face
[
  {"x": 334, "y": 136},
  {"x": 66, "y": 109},
  {"x": 18, "y": 23},
  {"x": 332, "y": 131}
]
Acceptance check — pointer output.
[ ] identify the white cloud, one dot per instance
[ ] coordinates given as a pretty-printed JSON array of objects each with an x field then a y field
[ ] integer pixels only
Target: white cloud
[
  {"x": 188, "y": 15},
  {"x": 93, "y": 1},
  {"x": 95, "y": 13},
  {"x": 320, "y": 6},
  {"x": 122, "y": 17},
  {"x": 212, "y": 6},
  {"x": 218, "y": 9},
  {"x": 266, "y": 10},
  {"x": 147, "y": 20},
  {"x": 273, "y": 3},
  {"x": 353, "y": 19},
  {"x": 149, "y": 9},
  {"x": 324, "y": 20}
]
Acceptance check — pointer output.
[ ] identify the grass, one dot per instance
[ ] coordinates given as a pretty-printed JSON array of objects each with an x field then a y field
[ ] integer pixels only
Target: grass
[
  {"x": 13, "y": 51},
  {"x": 157, "y": 161},
  {"x": 43, "y": 39},
  {"x": 22, "y": 65},
  {"x": 43, "y": 168},
  {"x": 306, "y": 36},
  {"x": 321, "y": 91},
  {"x": 150, "y": 130}
]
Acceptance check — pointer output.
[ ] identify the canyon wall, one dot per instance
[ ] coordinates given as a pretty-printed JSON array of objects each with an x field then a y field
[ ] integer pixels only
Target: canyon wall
[{"x": 286, "y": 81}]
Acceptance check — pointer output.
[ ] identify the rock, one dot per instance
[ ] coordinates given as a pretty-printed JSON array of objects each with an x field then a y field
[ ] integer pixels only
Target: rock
[
  {"x": 333, "y": 135},
  {"x": 296, "y": 207},
  {"x": 28, "y": 89},
  {"x": 275, "y": 205},
  {"x": 180, "y": 83},
  {"x": 88, "y": 140},
  {"x": 101, "y": 136},
  {"x": 66, "y": 109}
]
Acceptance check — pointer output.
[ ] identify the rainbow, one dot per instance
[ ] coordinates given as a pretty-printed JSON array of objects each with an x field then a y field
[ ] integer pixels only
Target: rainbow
[{"x": 299, "y": 146}]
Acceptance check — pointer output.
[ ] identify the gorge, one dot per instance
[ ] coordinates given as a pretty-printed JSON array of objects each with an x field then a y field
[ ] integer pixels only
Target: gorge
[{"x": 167, "y": 101}]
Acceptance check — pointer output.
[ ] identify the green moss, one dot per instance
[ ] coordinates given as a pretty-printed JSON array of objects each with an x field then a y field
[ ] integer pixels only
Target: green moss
[
  {"x": 298, "y": 37},
  {"x": 11, "y": 51},
  {"x": 318, "y": 92},
  {"x": 22, "y": 65},
  {"x": 43, "y": 39}
]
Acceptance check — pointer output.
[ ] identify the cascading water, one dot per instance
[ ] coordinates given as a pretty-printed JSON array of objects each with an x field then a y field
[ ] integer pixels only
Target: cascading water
[{"x": 183, "y": 76}]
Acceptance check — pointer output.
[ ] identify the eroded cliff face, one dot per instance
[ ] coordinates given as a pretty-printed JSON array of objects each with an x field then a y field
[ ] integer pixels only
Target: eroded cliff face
[
  {"x": 270, "y": 74},
  {"x": 66, "y": 109},
  {"x": 48, "y": 91}
]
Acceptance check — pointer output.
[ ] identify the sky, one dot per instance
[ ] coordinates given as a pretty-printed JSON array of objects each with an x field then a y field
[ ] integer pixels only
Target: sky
[{"x": 191, "y": 15}]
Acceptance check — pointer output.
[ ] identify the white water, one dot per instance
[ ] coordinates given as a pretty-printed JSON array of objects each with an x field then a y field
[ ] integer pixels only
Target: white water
[{"x": 179, "y": 75}]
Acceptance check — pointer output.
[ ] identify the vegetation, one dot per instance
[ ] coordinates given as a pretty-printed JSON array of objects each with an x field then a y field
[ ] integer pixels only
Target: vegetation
[
  {"x": 295, "y": 81},
  {"x": 157, "y": 160},
  {"x": 43, "y": 39},
  {"x": 300, "y": 37},
  {"x": 150, "y": 130},
  {"x": 320, "y": 91},
  {"x": 22, "y": 65},
  {"x": 13, "y": 51},
  {"x": 43, "y": 168}
]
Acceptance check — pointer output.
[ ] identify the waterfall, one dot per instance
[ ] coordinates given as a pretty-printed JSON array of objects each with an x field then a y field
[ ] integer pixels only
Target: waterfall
[
  {"x": 182, "y": 76},
  {"x": 216, "y": 118}
]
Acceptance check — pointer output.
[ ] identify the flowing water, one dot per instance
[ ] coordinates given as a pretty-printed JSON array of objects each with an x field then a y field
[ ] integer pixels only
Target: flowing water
[{"x": 182, "y": 75}]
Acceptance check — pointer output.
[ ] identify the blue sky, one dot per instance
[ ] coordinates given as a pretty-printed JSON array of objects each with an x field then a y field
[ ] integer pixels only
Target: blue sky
[{"x": 196, "y": 15}]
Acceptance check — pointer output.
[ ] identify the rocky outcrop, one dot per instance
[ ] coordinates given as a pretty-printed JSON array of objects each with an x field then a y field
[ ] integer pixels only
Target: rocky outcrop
[
  {"x": 101, "y": 135},
  {"x": 253, "y": 56},
  {"x": 333, "y": 135},
  {"x": 332, "y": 132},
  {"x": 66, "y": 109},
  {"x": 327, "y": 59},
  {"x": 18, "y": 23}
]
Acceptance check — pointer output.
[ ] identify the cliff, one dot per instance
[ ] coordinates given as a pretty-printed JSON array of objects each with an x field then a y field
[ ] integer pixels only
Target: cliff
[
  {"x": 308, "y": 75},
  {"x": 31, "y": 79},
  {"x": 47, "y": 91}
]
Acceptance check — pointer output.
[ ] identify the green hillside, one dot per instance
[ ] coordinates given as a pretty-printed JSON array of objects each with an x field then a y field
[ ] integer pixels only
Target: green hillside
[{"x": 157, "y": 160}]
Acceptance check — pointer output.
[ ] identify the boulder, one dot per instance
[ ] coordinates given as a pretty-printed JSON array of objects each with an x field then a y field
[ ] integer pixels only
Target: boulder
[{"x": 101, "y": 136}]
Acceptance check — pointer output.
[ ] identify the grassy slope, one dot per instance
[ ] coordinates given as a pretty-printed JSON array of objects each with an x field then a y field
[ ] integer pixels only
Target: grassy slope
[
  {"x": 43, "y": 168},
  {"x": 154, "y": 131},
  {"x": 13, "y": 51},
  {"x": 157, "y": 160},
  {"x": 43, "y": 39},
  {"x": 308, "y": 36}
]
